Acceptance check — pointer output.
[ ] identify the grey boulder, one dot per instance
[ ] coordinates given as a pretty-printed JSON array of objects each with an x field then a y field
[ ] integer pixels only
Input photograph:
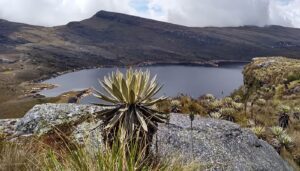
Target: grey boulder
[{"x": 219, "y": 144}]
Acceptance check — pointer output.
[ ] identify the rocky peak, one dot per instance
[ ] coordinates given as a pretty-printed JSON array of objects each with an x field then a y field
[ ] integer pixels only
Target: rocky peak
[
  {"x": 131, "y": 20},
  {"x": 116, "y": 16}
]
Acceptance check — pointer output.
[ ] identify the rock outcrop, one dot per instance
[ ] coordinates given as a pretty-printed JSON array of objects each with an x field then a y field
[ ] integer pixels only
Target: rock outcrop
[
  {"x": 217, "y": 143},
  {"x": 74, "y": 121},
  {"x": 220, "y": 144}
]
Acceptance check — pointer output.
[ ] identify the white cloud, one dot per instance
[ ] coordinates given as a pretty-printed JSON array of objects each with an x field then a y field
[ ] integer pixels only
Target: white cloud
[
  {"x": 57, "y": 12},
  {"x": 289, "y": 13},
  {"x": 218, "y": 13},
  {"x": 185, "y": 12}
]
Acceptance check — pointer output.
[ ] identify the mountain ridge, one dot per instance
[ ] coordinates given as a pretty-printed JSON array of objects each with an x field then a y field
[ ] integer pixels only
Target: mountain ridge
[{"x": 109, "y": 38}]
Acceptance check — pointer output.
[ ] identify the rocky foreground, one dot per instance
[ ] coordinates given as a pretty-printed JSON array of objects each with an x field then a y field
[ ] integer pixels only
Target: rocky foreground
[{"x": 221, "y": 144}]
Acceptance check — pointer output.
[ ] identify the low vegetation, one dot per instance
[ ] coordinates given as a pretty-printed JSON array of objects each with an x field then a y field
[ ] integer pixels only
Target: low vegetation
[
  {"x": 36, "y": 155},
  {"x": 268, "y": 104}
]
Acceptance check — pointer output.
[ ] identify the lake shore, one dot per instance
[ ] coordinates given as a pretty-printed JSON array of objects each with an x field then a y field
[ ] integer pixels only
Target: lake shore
[
  {"x": 213, "y": 63},
  {"x": 25, "y": 94},
  {"x": 220, "y": 81}
]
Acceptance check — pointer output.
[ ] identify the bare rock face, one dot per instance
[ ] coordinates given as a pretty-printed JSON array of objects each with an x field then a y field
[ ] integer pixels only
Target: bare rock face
[
  {"x": 7, "y": 127},
  {"x": 75, "y": 121},
  {"x": 220, "y": 144}
]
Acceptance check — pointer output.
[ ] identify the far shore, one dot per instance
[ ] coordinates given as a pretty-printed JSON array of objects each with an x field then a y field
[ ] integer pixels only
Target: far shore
[{"x": 213, "y": 63}]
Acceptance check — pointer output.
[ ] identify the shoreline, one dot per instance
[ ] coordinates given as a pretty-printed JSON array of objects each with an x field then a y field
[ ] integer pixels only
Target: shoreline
[
  {"x": 213, "y": 63},
  {"x": 29, "y": 91}
]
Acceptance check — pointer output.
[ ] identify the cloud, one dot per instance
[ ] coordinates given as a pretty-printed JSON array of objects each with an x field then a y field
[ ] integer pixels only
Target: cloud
[
  {"x": 287, "y": 13},
  {"x": 186, "y": 12},
  {"x": 231, "y": 12},
  {"x": 57, "y": 12}
]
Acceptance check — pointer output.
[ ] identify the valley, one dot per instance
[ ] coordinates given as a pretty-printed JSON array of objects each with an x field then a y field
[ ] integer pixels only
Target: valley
[{"x": 29, "y": 53}]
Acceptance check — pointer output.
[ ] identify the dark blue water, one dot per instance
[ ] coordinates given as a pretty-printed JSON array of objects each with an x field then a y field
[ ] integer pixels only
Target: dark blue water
[{"x": 189, "y": 80}]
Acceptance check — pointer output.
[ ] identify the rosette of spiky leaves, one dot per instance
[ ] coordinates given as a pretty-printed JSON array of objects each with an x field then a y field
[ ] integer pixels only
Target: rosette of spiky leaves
[
  {"x": 277, "y": 131},
  {"x": 285, "y": 139},
  {"x": 258, "y": 131},
  {"x": 131, "y": 97}
]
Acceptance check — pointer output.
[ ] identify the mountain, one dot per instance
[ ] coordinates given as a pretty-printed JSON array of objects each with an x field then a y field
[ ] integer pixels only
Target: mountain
[
  {"x": 30, "y": 52},
  {"x": 117, "y": 39}
]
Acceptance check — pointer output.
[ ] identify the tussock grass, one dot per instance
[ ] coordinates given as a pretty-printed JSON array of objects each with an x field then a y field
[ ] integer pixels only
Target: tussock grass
[
  {"x": 15, "y": 157},
  {"x": 36, "y": 155}
]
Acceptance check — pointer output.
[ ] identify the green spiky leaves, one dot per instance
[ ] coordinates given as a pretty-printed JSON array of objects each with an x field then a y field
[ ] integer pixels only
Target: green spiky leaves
[
  {"x": 131, "y": 96},
  {"x": 133, "y": 88}
]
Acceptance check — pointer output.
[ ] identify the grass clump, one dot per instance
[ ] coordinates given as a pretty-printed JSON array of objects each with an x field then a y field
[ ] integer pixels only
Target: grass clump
[{"x": 36, "y": 156}]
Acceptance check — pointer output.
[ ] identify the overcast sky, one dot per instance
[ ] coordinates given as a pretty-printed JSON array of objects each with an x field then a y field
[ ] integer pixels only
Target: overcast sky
[{"x": 185, "y": 12}]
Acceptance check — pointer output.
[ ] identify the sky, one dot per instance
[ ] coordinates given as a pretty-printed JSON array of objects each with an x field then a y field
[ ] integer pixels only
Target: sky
[{"x": 196, "y": 13}]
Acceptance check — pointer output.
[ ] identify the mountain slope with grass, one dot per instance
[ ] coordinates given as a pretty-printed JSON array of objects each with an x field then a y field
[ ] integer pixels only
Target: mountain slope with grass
[
  {"x": 30, "y": 53},
  {"x": 272, "y": 91},
  {"x": 109, "y": 38}
]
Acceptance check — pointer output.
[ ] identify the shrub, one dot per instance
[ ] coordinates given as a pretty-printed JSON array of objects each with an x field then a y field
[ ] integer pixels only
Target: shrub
[
  {"x": 238, "y": 106},
  {"x": 175, "y": 106},
  {"x": 215, "y": 105},
  {"x": 228, "y": 114},
  {"x": 277, "y": 130},
  {"x": 284, "y": 117},
  {"x": 261, "y": 102},
  {"x": 258, "y": 131},
  {"x": 293, "y": 76},
  {"x": 175, "y": 103},
  {"x": 130, "y": 98},
  {"x": 195, "y": 108},
  {"x": 296, "y": 113},
  {"x": 209, "y": 97},
  {"x": 237, "y": 98},
  {"x": 227, "y": 101},
  {"x": 163, "y": 106},
  {"x": 296, "y": 110},
  {"x": 284, "y": 109},
  {"x": 227, "y": 111},
  {"x": 215, "y": 115},
  {"x": 285, "y": 139}
]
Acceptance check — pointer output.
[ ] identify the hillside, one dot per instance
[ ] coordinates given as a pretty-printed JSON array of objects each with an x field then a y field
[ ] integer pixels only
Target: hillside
[
  {"x": 276, "y": 83},
  {"x": 32, "y": 52},
  {"x": 117, "y": 39},
  {"x": 268, "y": 103}
]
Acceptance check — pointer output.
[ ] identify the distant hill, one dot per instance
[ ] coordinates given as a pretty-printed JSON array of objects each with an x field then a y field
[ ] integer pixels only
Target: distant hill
[
  {"x": 110, "y": 38},
  {"x": 30, "y": 53}
]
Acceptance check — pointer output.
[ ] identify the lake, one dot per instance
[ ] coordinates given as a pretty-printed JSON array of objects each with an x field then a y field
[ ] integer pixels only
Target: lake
[{"x": 189, "y": 80}]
